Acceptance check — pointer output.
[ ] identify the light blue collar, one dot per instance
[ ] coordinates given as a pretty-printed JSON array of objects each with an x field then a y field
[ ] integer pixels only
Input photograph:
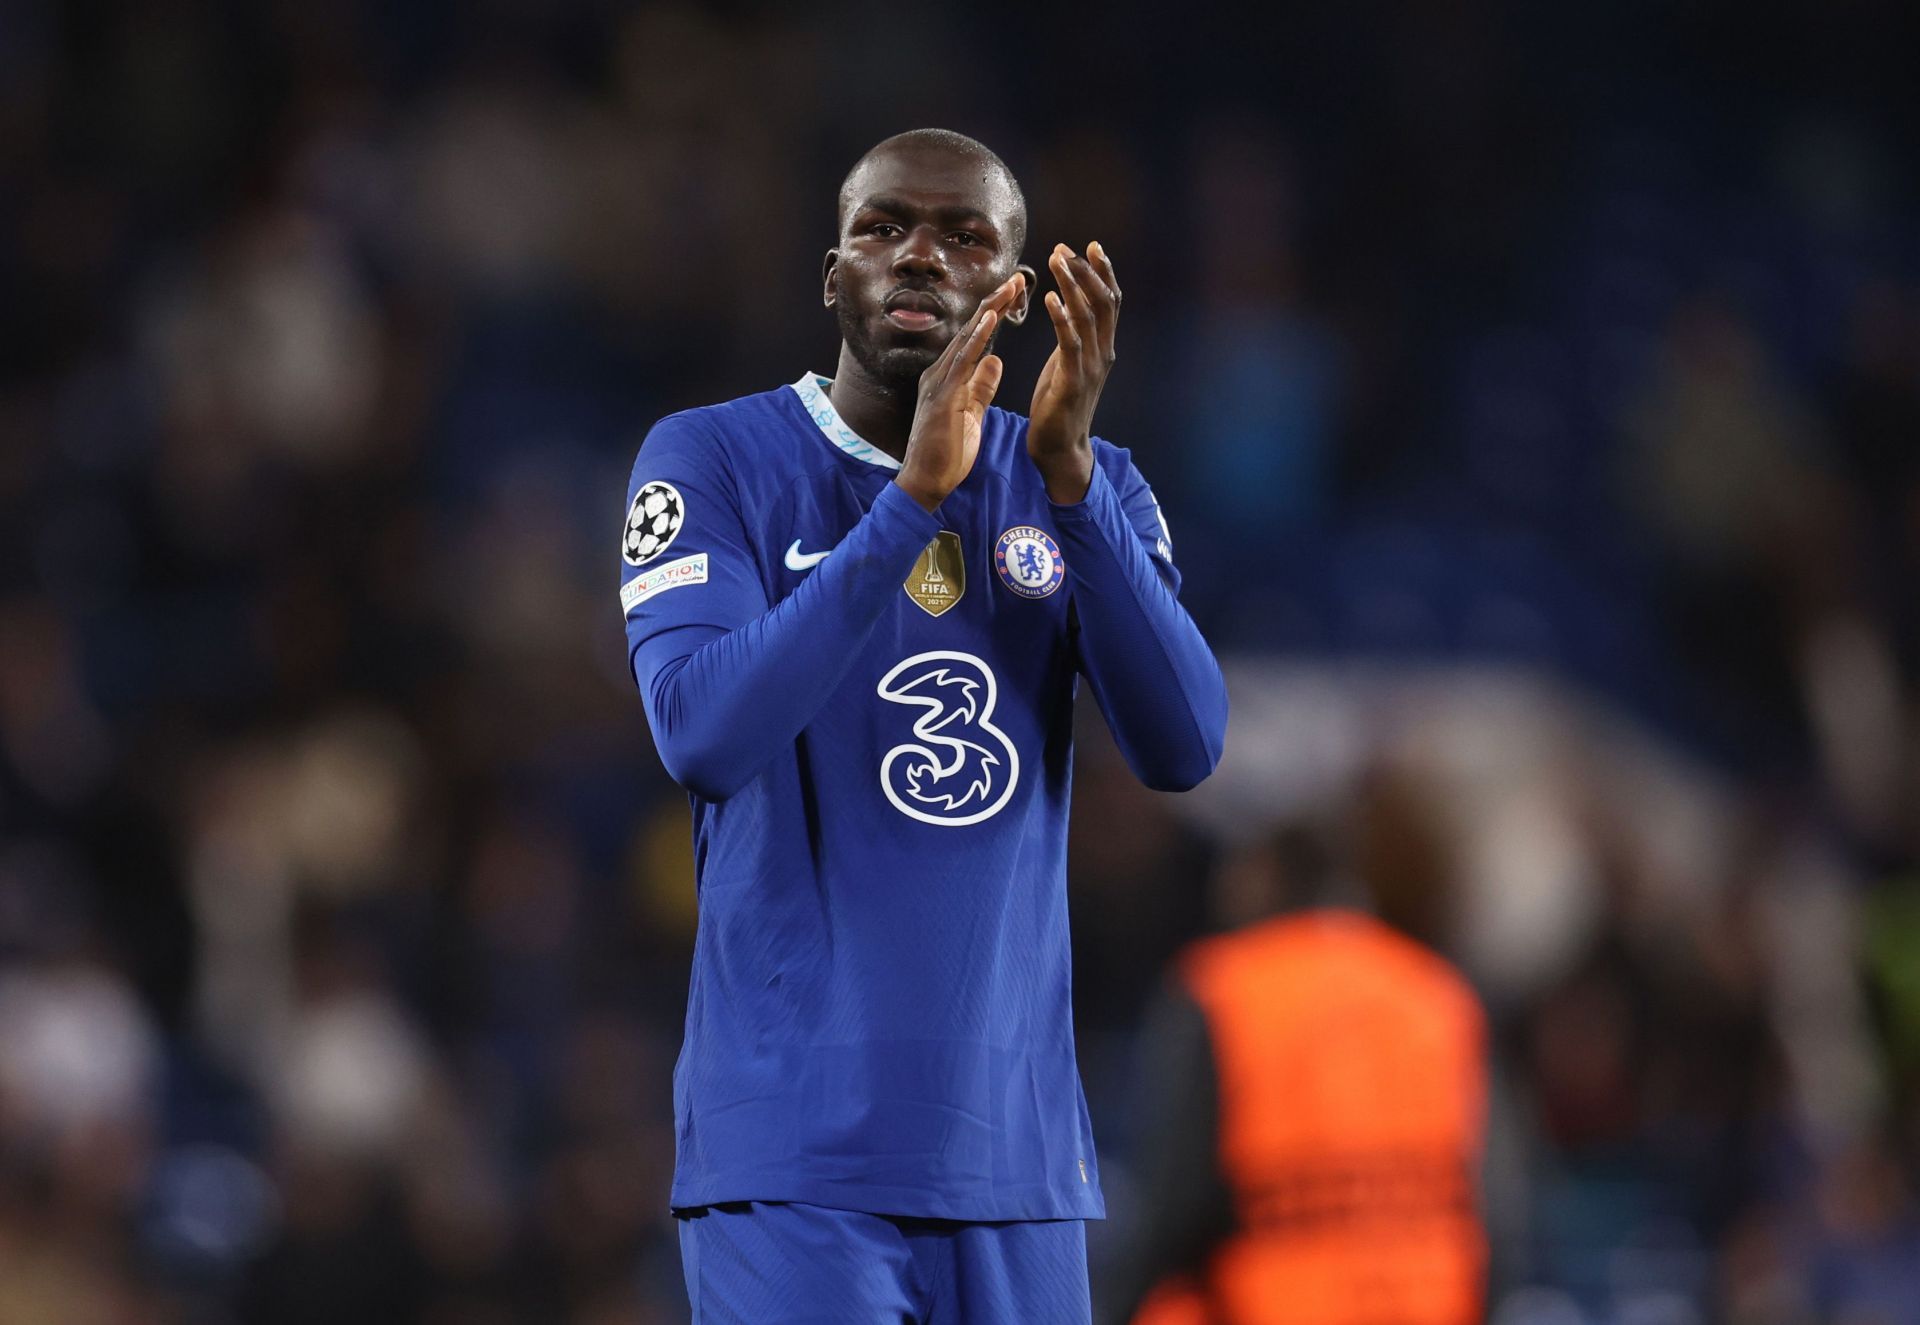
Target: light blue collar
[{"x": 812, "y": 390}]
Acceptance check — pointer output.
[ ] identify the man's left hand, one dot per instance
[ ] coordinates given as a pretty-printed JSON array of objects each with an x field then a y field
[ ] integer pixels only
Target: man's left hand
[{"x": 1085, "y": 310}]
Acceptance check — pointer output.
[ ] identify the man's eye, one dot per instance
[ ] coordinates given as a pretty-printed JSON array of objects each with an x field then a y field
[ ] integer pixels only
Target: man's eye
[
  {"x": 963, "y": 238},
  {"x": 884, "y": 229}
]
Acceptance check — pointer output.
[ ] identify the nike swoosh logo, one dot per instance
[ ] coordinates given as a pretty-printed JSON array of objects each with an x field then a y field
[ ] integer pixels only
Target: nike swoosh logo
[{"x": 798, "y": 560}]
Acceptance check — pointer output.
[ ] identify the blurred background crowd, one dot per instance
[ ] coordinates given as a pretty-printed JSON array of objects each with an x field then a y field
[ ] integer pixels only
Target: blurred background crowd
[{"x": 1534, "y": 395}]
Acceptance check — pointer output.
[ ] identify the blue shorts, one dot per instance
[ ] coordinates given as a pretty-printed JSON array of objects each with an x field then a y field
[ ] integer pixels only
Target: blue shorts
[{"x": 754, "y": 1263}]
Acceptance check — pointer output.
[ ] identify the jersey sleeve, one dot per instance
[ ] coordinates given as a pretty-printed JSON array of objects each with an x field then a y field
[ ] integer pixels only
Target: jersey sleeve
[
  {"x": 1149, "y": 668},
  {"x": 729, "y": 679},
  {"x": 686, "y": 557},
  {"x": 1142, "y": 509}
]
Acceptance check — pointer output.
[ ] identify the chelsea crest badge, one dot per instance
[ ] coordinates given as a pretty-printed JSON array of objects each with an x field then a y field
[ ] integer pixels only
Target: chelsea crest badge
[{"x": 1029, "y": 561}]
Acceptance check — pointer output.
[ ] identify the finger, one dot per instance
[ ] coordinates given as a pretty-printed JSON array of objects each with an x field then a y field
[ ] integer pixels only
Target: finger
[
  {"x": 940, "y": 371},
  {"x": 1093, "y": 308},
  {"x": 995, "y": 303},
  {"x": 1003, "y": 295},
  {"x": 1075, "y": 298},
  {"x": 1063, "y": 327},
  {"x": 985, "y": 381},
  {"x": 1102, "y": 264},
  {"x": 977, "y": 344},
  {"x": 1100, "y": 299},
  {"x": 1100, "y": 310},
  {"x": 936, "y": 373},
  {"x": 1078, "y": 287}
]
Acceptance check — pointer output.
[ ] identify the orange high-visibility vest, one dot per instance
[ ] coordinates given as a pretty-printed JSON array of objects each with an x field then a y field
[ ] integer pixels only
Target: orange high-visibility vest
[{"x": 1351, "y": 1064}]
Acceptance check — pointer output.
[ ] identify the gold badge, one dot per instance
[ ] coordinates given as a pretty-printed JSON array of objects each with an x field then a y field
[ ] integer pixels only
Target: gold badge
[{"x": 939, "y": 577}]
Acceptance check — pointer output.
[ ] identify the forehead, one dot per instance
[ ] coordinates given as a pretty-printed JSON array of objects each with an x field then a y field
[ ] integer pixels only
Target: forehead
[{"x": 932, "y": 177}]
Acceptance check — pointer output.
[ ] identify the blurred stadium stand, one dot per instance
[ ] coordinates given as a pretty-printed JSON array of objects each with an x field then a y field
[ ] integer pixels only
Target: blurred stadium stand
[{"x": 1534, "y": 394}]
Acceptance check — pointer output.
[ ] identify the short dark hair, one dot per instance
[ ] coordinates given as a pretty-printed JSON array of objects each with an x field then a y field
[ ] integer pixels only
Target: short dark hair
[{"x": 960, "y": 145}]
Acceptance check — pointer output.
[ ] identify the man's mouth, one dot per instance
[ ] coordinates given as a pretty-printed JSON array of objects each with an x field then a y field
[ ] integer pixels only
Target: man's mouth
[{"x": 911, "y": 310}]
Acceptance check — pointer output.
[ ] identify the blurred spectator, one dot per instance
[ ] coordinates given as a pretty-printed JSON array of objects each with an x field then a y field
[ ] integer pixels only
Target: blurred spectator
[
  {"x": 1312, "y": 1098},
  {"x": 1260, "y": 373}
]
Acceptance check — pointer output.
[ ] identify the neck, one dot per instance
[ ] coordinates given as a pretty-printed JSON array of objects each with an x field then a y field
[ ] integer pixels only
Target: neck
[{"x": 881, "y": 412}]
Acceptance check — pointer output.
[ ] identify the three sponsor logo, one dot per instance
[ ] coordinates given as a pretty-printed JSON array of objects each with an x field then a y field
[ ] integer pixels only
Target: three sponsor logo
[{"x": 956, "y": 768}]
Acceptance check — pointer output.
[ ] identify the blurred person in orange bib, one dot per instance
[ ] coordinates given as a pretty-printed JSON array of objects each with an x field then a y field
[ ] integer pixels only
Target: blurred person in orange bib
[{"x": 1311, "y": 1101}]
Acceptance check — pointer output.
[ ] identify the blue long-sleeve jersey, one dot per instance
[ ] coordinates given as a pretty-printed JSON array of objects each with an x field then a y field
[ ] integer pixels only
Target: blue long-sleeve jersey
[{"x": 871, "y": 709}]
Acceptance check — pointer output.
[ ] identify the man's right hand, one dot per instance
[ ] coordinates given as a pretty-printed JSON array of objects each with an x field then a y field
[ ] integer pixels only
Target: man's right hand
[{"x": 955, "y": 391}]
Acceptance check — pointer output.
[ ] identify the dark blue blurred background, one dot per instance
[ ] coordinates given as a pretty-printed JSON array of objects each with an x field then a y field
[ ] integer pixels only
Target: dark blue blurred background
[{"x": 1534, "y": 395}]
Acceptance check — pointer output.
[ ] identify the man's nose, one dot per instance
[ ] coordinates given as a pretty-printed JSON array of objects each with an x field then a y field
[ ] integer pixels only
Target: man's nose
[{"x": 919, "y": 255}]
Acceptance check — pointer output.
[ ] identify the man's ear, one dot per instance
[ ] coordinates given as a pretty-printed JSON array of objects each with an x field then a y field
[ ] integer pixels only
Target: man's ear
[
  {"x": 827, "y": 270},
  {"x": 1018, "y": 312}
]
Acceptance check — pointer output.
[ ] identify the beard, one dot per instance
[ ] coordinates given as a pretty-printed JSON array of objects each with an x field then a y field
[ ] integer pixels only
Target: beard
[{"x": 893, "y": 365}]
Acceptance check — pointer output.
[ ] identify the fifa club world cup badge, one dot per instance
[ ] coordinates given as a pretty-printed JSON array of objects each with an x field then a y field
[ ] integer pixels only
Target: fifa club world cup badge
[
  {"x": 1029, "y": 561},
  {"x": 939, "y": 577}
]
